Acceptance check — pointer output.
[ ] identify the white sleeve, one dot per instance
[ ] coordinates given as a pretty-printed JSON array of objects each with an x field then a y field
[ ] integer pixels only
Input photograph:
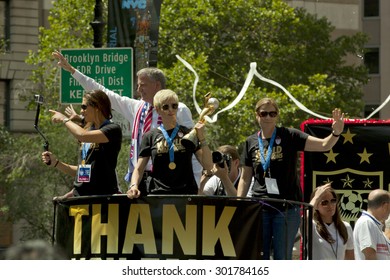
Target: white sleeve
[
  {"x": 211, "y": 186},
  {"x": 184, "y": 116},
  {"x": 124, "y": 105},
  {"x": 350, "y": 236},
  {"x": 366, "y": 239}
]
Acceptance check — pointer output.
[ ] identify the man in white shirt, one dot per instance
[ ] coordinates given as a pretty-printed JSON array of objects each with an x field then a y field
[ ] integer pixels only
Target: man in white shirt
[
  {"x": 370, "y": 242},
  {"x": 149, "y": 82}
]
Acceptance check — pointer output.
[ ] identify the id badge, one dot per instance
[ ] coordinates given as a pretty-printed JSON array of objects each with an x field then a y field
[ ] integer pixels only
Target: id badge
[
  {"x": 84, "y": 173},
  {"x": 272, "y": 186}
]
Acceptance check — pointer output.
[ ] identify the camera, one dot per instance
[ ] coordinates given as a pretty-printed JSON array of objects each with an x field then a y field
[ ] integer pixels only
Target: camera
[
  {"x": 38, "y": 99},
  {"x": 219, "y": 158}
]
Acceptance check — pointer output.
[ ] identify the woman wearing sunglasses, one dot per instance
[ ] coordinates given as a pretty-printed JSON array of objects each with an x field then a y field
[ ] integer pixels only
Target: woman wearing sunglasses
[
  {"x": 172, "y": 171},
  {"x": 100, "y": 143},
  {"x": 332, "y": 237},
  {"x": 270, "y": 155}
]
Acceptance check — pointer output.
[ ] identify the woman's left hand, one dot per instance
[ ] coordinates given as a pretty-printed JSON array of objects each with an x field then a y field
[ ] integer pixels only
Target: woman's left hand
[
  {"x": 321, "y": 190},
  {"x": 338, "y": 121}
]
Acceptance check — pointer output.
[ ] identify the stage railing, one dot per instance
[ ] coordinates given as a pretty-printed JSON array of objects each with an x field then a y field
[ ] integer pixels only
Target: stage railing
[{"x": 169, "y": 227}]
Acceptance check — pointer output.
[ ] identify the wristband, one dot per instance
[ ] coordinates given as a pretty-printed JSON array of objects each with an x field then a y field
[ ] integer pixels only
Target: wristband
[
  {"x": 335, "y": 135},
  {"x": 203, "y": 143},
  {"x": 55, "y": 165},
  {"x": 132, "y": 185},
  {"x": 65, "y": 120}
]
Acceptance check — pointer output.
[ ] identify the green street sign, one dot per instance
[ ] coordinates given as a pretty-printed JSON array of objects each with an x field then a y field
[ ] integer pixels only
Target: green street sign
[{"x": 110, "y": 67}]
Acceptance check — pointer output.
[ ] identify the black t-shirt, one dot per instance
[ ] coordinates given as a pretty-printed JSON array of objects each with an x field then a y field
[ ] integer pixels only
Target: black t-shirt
[
  {"x": 283, "y": 167},
  {"x": 162, "y": 179},
  {"x": 103, "y": 159}
]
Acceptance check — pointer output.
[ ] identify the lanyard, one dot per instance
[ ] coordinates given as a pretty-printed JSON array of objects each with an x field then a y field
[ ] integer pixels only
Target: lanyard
[
  {"x": 169, "y": 140},
  {"x": 266, "y": 162},
  {"x": 337, "y": 242},
  {"x": 372, "y": 218},
  {"x": 378, "y": 224},
  {"x": 84, "y": 151}
]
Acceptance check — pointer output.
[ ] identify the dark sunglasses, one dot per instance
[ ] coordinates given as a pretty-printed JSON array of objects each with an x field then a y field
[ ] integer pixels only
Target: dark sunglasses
[
  {"x": 84, "y": 107},
  {"x": 263, "y": 114},
  {"x": 174, "y": 106},
  {"x": 333, "y": 201}
]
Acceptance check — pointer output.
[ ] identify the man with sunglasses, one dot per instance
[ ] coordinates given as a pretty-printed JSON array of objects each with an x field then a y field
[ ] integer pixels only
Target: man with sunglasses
[
  {"x": 271, "y": 156},
  {"x": 140, "y": 113}
]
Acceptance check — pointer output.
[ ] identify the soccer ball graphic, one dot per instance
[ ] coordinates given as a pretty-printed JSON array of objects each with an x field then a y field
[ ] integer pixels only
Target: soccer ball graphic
[{"x": 351, "y": 203}]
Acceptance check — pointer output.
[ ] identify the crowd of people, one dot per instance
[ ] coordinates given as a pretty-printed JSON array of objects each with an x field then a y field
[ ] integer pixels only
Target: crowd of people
[{"x": 160, "y": 164}]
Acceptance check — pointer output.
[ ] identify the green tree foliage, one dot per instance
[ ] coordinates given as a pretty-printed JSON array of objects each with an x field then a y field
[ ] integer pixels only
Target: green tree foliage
[
  {"x": 69, "y": 28},
  {"x": 220, "y": 39},
  {"x": 29, "y": 184}
]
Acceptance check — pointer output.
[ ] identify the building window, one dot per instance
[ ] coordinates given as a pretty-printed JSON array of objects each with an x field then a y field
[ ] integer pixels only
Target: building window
[
  {"x": 371, "y": 8},
  {"x": 4, "y": 25},
  {"x": 371, "y": 60}
]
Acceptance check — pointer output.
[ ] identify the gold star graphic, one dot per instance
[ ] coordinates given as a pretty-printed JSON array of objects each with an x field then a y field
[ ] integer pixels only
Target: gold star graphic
[
  {"x": 368, "y": 183},
  {"x": 347, "y": 182},
  {"x": 348, "y": 136},
  {"x": 364, "y": 156},
  {"x": 331, "y": 156},
  {"x": 328, "y": 181}
]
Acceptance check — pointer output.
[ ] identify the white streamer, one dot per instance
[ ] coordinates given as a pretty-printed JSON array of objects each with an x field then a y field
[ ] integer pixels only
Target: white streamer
[
  {"x": 299, "y": 104},
  {"x": 186, "y": 64},
  {"x": 251, "y": 73},
  {"x": 231, "y": 105}
]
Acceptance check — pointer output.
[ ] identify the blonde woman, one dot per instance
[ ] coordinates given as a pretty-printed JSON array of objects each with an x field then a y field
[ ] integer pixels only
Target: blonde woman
[{"x": 172, "y": 171}]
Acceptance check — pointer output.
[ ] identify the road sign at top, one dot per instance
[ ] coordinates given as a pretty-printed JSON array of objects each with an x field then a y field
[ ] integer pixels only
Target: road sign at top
[{"x": 110, "y": 67}]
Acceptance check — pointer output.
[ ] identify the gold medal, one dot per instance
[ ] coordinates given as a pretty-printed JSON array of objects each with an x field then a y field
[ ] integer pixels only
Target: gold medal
[{"x": 172, "y": 165}]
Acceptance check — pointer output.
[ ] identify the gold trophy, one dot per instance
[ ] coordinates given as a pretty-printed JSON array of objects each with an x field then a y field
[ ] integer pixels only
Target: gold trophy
[{"x": 190, "y": 140}]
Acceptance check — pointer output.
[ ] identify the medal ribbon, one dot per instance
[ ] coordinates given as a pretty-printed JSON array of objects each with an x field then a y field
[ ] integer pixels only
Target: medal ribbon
[
  {"x": 266, "y": 163},
  {"x": 169, "y": 140},
  {"x": 84, "y": 151}
]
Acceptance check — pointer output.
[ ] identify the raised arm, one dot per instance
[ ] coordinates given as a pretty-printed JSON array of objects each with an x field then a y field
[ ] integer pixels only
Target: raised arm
[
  {"x": 203, "y": 154},
  {"x": 90, "y": 136},
  {"x": 122, "y": 104},
  {"x": 315, "y": 144}
]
